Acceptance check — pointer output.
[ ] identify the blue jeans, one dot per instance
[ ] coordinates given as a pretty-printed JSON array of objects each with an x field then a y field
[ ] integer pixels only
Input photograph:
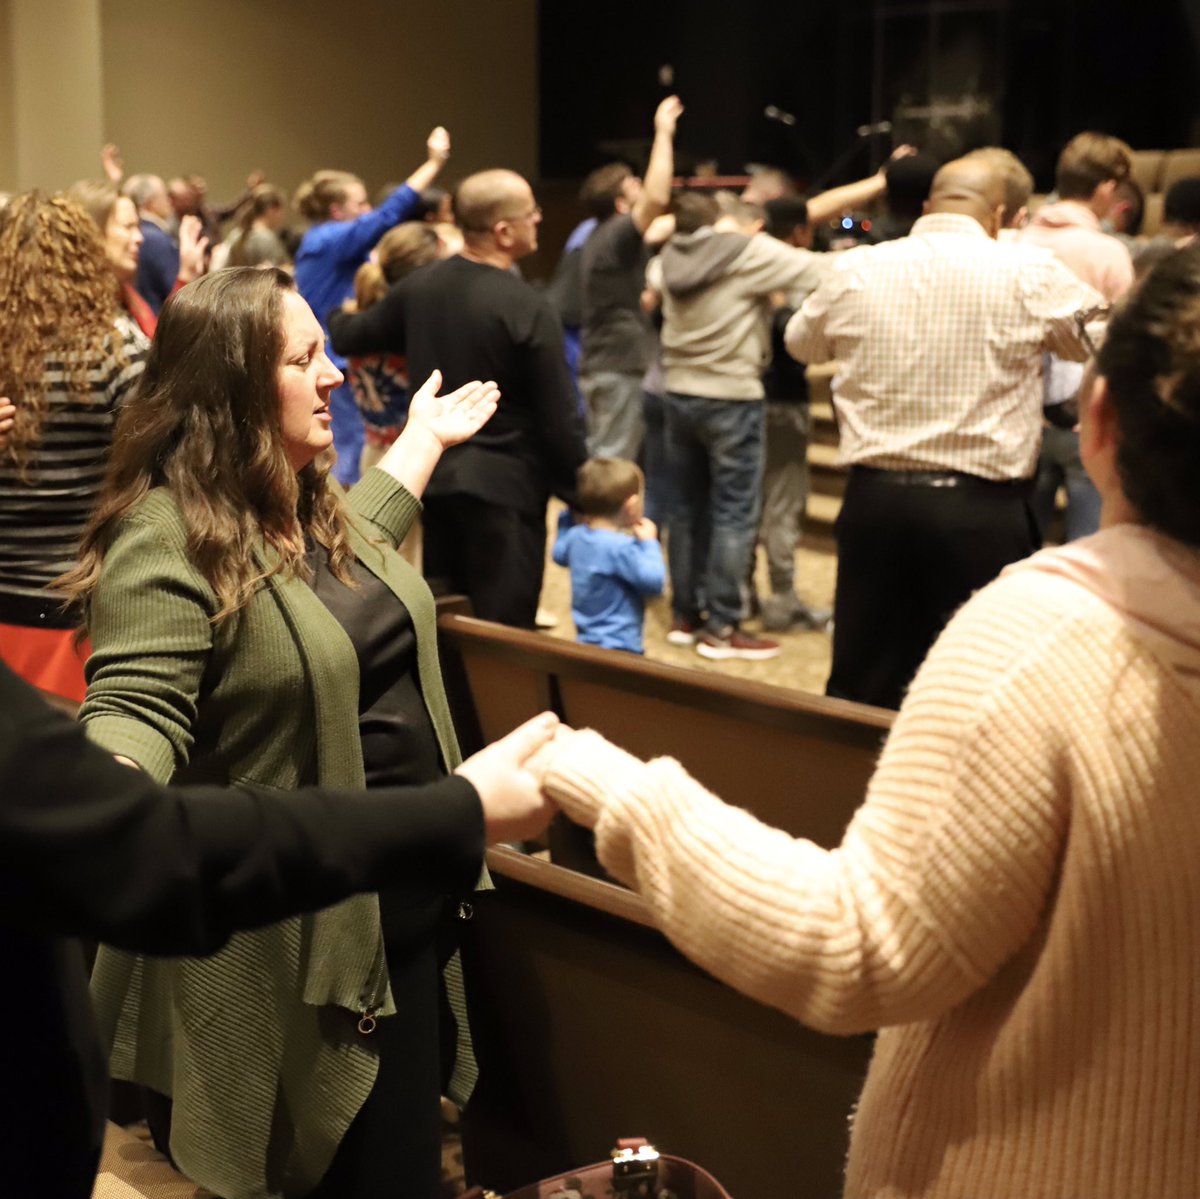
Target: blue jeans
[
  {"x": 715, "y": 453},
  {"x": 1059, "y": 465},
  {"x": 347, "y": 435}
]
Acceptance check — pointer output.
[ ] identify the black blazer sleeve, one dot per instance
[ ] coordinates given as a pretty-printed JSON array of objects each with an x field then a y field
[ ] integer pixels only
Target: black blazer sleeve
[{"x": 91, "y": 848}]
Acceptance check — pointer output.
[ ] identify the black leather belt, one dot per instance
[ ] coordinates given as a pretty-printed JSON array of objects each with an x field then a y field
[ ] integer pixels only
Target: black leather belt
[{"x": 931, "y": 478}]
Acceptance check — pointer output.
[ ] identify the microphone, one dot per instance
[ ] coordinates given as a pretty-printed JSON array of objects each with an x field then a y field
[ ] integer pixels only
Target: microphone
[
  {"x": 870, "y": 130},
  {"x": 777, "y": 114}
]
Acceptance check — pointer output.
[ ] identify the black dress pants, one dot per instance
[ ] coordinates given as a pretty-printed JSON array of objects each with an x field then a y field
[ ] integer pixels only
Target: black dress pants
[
  {"x": 493, "y": 554},
  {"x": 912, "y": 548}
]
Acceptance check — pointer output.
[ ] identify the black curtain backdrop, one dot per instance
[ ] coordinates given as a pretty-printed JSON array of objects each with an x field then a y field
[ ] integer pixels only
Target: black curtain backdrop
[{"x": 1026, "y": 73}]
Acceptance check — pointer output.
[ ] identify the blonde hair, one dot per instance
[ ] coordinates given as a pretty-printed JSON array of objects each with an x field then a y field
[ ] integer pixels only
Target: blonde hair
[
  {"x": 400, "y": 251},
  {"x": 96, "y": 198},
  {"x": 317, "y": 195},
  {"x": 1018, "y": 182}
]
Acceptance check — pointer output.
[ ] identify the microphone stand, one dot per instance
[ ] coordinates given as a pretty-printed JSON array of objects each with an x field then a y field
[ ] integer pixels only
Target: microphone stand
[{"x": 789, "y": 122}]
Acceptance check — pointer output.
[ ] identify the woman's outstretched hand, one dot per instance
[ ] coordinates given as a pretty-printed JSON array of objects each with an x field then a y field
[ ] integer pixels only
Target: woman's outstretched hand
[
  {"x": 434, "y": 424},
  {"x": 456, "y": 416},
  {"x": 514, "y": 806}
]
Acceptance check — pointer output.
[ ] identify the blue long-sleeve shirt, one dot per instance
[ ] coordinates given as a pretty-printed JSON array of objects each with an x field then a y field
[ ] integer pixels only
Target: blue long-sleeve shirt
[
  {"x": 332, "y": 252},
  {"x": 611, "y": 574}
]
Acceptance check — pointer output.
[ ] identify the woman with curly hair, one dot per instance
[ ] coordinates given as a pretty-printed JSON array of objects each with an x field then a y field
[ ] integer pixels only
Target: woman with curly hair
[
  {"x": 70, "y": 356},
  {"x": 252, "y": 622}
]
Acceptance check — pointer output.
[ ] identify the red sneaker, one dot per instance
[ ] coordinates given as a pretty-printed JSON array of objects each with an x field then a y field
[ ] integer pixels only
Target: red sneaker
[{"x": 733, "y": 643}]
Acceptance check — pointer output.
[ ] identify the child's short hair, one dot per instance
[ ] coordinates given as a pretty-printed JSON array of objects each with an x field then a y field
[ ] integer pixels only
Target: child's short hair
[{"x": 604, "y": 484}]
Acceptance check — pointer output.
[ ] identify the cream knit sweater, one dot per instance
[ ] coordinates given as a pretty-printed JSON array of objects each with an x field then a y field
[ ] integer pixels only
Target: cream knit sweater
[{"x": 1014, "y": 905}]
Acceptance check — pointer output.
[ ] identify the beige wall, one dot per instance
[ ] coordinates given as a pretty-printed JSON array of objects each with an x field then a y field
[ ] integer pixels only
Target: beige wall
[
  {"x": 223, "y": 86},
  {"x": 8, "y": 157},
  {"x": 52, "y": 98}
]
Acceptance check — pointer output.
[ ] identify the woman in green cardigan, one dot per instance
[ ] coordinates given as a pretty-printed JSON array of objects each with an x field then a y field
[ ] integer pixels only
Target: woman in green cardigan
[{"x": 250, "y": 622}]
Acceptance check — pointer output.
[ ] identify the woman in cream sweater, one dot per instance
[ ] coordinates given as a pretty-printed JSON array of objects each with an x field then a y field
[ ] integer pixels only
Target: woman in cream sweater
[{"x": 1014, "y": 905}]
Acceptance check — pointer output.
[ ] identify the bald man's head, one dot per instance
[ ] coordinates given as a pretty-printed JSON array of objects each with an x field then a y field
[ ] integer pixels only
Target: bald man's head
[
  {"x": 971, "y": 187},
  {"x": 486, "y": 197}
]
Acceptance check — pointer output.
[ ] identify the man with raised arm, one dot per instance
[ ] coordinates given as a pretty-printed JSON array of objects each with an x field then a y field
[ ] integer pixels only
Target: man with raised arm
[{"x": 616, "y": 332}]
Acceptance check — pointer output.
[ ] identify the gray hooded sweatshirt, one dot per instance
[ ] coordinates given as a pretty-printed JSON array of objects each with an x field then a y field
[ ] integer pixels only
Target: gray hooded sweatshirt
[{"x": 716, "y": 308}]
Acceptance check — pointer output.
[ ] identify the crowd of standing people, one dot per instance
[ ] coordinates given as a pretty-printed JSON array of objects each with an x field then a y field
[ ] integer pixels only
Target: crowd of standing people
[{"x": 172, "y": 516}]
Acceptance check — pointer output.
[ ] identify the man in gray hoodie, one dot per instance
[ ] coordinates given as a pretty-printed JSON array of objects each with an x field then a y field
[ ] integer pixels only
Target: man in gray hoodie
[{"x": 716, "y": 283}]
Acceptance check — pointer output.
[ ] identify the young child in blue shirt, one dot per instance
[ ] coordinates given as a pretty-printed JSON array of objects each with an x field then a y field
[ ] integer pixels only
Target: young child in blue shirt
[{"x": 613, "y": 553}]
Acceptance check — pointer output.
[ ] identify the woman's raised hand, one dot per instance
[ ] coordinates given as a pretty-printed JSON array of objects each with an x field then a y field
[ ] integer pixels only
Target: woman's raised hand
[
  {"x": 192, "y": 245},
  {"x": 434, "y": 424},
  {"x": 456, "y": 416}
]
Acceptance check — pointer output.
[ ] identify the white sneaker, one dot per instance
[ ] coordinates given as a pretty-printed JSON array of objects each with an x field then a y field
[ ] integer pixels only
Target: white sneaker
[{"x": 683, "y": 632}]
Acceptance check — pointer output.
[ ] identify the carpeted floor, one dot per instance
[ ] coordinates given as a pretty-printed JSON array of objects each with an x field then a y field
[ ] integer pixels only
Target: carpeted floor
[{"x": 803, "y": 662}]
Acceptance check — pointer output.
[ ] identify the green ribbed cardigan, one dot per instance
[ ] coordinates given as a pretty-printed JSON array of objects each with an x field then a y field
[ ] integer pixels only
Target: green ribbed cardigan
[{"x": 258, "y": 1045}]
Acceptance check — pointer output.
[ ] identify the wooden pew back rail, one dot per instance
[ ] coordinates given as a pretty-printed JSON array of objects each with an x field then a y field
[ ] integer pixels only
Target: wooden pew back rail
[{"x": 800, "y": 762}]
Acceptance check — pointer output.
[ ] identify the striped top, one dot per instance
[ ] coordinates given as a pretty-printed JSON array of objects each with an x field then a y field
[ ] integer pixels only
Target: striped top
[{"x": 43, "y": 510}]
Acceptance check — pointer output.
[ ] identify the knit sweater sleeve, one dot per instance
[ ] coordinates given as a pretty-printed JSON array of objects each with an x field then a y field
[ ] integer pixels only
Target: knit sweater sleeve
[
  {"x": 151, "y": 633},
  {"x": 940, "y": 878},
  {"x": 385, "y": 503}
]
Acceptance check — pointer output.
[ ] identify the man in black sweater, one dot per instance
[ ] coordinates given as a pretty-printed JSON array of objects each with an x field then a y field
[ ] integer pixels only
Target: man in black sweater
[
  {"x": 473, "y": 317},
  {"x": 90, "y": 848}
]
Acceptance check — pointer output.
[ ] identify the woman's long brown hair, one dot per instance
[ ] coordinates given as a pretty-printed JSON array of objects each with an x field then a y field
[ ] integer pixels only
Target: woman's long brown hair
[
  {"x": 57, "y": 300},
  {"x": 205, "y": 423}
]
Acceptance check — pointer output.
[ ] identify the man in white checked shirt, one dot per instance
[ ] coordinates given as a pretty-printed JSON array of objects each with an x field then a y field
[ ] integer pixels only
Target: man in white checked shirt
[{"x": 939, "y": 402}]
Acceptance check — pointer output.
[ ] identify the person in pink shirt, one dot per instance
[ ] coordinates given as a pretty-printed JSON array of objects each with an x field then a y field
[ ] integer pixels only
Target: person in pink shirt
[{"x": 1091, "y": 169}]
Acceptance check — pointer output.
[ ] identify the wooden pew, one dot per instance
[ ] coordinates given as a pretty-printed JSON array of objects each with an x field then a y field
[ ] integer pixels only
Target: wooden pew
[
  {"x": 590, "y": 1026},
  {"x": 800, "y": 762}
]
